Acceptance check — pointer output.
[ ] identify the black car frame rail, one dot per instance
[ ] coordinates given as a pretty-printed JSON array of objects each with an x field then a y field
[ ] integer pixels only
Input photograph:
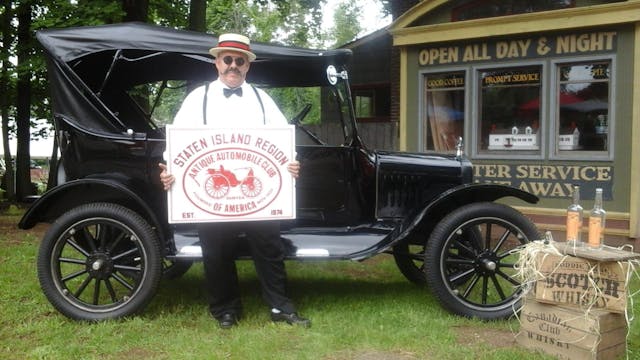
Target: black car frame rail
[{"x": 110, "y": 244}]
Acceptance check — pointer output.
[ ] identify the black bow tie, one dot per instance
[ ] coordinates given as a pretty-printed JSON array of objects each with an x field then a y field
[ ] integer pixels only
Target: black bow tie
[{"x": 229, "y": 92}]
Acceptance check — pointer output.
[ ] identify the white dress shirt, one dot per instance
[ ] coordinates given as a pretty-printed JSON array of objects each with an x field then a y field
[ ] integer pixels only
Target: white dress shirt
[{"x": 232, "y": 111}]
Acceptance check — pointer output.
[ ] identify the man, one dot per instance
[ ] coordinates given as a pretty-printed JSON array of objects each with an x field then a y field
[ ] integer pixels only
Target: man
[{"x": 230, "y": 101}]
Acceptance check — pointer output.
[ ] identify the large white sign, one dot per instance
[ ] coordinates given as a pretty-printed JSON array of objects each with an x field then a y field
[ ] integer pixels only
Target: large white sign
[{"x": 226, "y": 174}]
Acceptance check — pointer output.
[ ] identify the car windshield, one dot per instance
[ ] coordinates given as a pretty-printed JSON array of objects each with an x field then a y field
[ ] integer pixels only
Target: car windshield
[{"x": 328, "y": 117}]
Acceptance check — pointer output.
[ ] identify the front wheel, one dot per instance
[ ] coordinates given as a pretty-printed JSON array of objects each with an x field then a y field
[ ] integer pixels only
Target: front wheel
[
  {"x": 470, "y": 260},
  {"x": 99, "y": 261}
]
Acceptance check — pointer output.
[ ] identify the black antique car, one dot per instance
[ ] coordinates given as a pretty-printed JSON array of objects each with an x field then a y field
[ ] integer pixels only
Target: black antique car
[{"x": 114, "y": 87}]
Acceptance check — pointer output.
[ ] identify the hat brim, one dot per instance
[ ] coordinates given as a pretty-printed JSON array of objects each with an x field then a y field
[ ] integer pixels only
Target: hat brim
[{"x": 214, "y": 52}]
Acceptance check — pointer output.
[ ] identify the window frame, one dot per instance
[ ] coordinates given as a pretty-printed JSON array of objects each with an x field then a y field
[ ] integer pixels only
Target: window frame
[
  {"x": 476, "y": 84},
  {"x": 549, "y": 110},
  {"x": 369, "y": 93},
  {"x": 554, "y": 152},
  {"x": 378, "y": 90},
  {"x": 422, "y": 106}
]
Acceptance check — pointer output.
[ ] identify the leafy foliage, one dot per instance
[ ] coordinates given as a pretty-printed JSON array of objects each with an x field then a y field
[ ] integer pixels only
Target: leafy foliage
[
  {"x": 169, "y": 12},
  {"x": 293, "y": 100},
  {"x": 291, "y": 23},
  {"x": 345, "y": 29},
  {"x": 57, "y": 14},
  {"x": 288, "y": 22}
]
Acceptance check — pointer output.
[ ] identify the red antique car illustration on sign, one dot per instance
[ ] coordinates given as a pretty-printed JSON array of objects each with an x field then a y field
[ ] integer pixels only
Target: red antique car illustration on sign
[{"x": 221, "y": 180}]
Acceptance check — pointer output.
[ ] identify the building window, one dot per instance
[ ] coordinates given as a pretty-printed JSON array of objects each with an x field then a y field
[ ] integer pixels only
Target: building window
[
  {"x": 583, "y": 94},
  {"x": 364, "y": 104},
  {"x": 509, "y": 110},
  {"x": 372, "y": 103},
  {"x": 443, "y": 121}
]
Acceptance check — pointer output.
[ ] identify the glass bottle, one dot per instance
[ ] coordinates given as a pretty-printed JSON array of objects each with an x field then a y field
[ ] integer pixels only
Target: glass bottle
[
  {"x": 596, "y": 222},
  {"x": 574, "y": 219}
]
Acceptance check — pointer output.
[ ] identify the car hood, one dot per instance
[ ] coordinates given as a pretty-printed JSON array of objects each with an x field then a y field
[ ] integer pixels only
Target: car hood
[{"x": 408, "y": 181}]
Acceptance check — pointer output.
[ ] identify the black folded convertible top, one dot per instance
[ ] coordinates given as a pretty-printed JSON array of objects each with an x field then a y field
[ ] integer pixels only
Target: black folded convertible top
[
  {"x": 73, "y": 43},
  {"x": 91, "y": 68}
]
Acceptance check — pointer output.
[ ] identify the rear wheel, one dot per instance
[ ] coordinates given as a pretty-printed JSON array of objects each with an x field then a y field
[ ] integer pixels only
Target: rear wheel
[
  {"x": 470, "y": 260},
  {"x": 99, "y": 261}
]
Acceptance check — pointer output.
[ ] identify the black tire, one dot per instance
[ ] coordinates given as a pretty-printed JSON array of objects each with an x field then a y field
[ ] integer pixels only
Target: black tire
[
  {"x": 99, "y": 261},
  {"x": 174, "y": 269},
  {"x": 469, "y": 260},
  {"x": 410, "y": 261}
]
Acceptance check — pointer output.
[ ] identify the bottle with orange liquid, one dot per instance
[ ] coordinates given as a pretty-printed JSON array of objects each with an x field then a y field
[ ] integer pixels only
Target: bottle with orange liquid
[
  {"x": 596, "y": 222},
  {"x": 574, "y": 219}
]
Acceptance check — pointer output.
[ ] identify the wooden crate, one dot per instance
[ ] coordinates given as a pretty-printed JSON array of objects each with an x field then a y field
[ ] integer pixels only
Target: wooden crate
[
  {"x": 582, "y": 283},
  {"x": 568, "y": 333}
]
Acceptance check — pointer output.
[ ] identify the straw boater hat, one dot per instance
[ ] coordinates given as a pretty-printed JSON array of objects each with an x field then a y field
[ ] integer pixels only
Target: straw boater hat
[{"x": 233, "y": 42}]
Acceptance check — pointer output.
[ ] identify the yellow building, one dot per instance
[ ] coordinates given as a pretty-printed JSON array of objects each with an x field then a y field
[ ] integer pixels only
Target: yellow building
[{"x": 546, "y": 95}]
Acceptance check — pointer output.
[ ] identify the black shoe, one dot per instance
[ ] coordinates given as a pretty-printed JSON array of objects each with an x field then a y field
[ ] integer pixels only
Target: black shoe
[
  {"x": 291, "y": 319},
  {"x": 227, "y": 321}
]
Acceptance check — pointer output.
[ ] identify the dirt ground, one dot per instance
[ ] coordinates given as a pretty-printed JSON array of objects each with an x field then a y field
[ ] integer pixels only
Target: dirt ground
[
  {"x": 465, "y": 335},
  {"x": 493, "y": 338},
  {"x": 9, "y": 226}
]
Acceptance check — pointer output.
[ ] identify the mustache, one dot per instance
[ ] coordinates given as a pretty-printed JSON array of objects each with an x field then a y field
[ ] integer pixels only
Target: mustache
[{"x": 232, "y": 70}]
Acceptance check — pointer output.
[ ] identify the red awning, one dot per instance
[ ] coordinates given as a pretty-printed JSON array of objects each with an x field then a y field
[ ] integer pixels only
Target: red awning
[{"x": 565, "y": 98}]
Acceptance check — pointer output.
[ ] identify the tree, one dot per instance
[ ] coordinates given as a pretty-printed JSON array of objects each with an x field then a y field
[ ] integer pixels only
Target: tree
[
  {"x": 346, "y": 25},
  {"x": 301, "y": 21},
  {"x": 135, "y": 10},
  {"x": 5, "y": 89},
  {"x": 197, "y": 15},
  {"x": 398, "y": 7},
  {"x": 295, "y": 22},
  {"x": 23, "y": 102},
  {"x": 172, "y": 13},
  {"x": 24, "y": 86}
]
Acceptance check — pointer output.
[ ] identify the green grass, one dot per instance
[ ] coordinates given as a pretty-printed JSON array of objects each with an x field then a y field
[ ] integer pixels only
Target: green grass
[{"x": 359, "y": 311}]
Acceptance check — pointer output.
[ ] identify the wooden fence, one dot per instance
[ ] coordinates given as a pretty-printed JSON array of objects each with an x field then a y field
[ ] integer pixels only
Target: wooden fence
[{"x": 375, "y": 135}]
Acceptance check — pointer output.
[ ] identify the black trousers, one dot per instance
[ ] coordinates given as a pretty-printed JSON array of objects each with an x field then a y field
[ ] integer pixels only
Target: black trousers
[{"x": 220, "y": 247}]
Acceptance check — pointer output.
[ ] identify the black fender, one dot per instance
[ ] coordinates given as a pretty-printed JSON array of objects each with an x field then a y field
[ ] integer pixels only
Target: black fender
[
  {"x": 438, "y": 208},
  {"x": 113, "y": 189}
]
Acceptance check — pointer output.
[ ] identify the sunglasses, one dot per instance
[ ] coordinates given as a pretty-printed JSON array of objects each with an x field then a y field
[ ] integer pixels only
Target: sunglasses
[{"x": 228, "y": 60}]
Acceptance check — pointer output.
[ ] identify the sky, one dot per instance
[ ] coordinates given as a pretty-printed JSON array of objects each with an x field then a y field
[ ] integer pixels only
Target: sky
[{"x": 38, "y": 149}]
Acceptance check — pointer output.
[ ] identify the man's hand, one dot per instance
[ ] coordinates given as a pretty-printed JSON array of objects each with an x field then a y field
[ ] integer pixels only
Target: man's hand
[
  {"x": 165, "y": 178},
  {"x": 294, "y": 168}
]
